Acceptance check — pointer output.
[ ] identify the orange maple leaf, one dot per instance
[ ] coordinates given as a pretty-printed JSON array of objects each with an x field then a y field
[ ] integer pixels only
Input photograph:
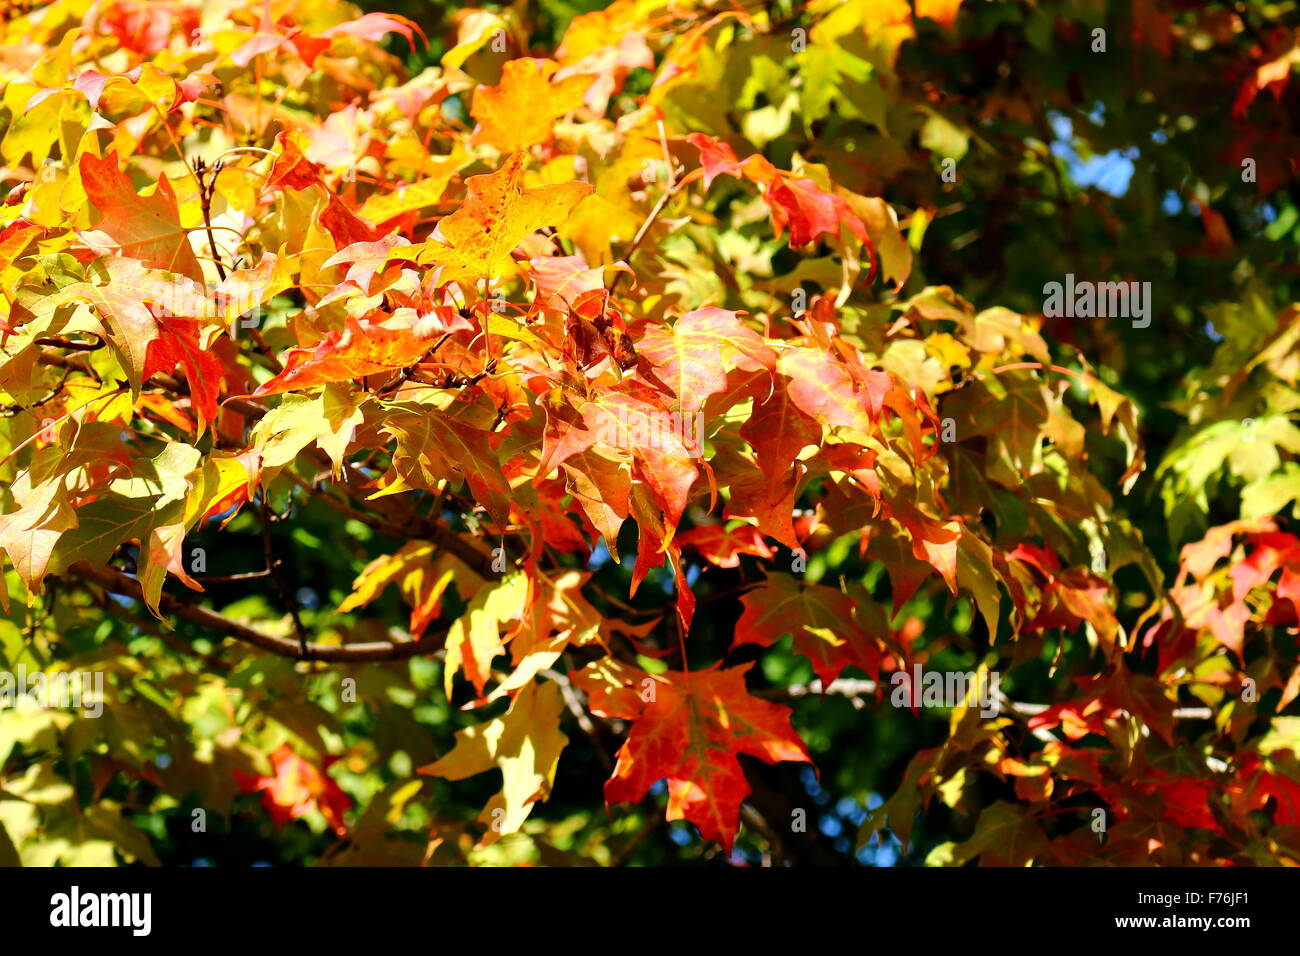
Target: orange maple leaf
[
  {"x": 362, "y": 348},
  {"x": 147, "y": 228}
]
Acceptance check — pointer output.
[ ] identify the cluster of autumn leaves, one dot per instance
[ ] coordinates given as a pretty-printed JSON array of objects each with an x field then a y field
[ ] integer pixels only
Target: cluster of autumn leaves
[{"x": 481, "y": 312}]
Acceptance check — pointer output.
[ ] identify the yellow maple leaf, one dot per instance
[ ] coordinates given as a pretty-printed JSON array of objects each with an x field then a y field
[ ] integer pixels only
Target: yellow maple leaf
[
  {"x": 524, "y": 743},
  {"x": 476, "y": 240},
  {"x": 521, "y": 111}
]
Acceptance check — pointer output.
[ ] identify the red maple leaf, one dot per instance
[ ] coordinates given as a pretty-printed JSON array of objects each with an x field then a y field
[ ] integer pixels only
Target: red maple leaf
[
  {"x": 295, "y": 787},
  {"x": 690, "y": 732}
]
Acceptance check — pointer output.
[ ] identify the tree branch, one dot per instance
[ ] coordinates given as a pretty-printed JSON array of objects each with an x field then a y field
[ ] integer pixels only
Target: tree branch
[{"x": 111, "y": 579}]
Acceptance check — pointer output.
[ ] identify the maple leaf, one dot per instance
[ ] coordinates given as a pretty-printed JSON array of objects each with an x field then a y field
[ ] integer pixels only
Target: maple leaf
[
  {"x": 716, "y": 158},
  {"x": 272, "y": 35},
  {"x": 606, "y": 65},
  {"x": 559, "y": 280},
  {"x": 1186, "y": 802},
  {"x": 145, "y": 80},
  {"x": 765, "y": 498},
  {"x": 129, "y": 508},
  {"x": 475, "y": 242},
  {"x": 475, "y": 639},
  {"x": 14, "y": 239},
  {"x": 433, "y": 447},
  {"x": 292, "y": 170},
  {"x": 826, "y": 391},
  {"x": 941, "y": 11},
  {"x": 627, "y": 419},
  {"x": 208, "y": 483},
  {"x": 524, "y": 744},
  {"x": 1258, "y": 781},
  {"x": 29, "y": 534},
  {"x": 1011, "y": 411},
  {"x": 476, "y": 29},
  {"x": 1118, "y": 693},
  {"x": 511, "y": 365},
  {"x": 364, "y": 260},
  {"x": 795, "y": 202},
  {"x": 654, "y": 547},
  {"x": 614, "y": 688},
  {"x": 934, "y": 542},
  {"x": 120, "y": 296},
  {"x": 408, "y": 197},
  {"x": 558, "y": 617},
  {"x": 1069, "y": 597},
  {"x": 1006, "y": 834},
  {"x": 146, "y": 28},
  {"x": 779, "y": 431},
  {"x": 423, "y": 576},
  {"x": 810, "y": 212},
  {"x": 376, "y": 26},
  {"x": 601, "y": 484},
  {"x": 521, "y": 111},
  {"x": 691, "y": 732},
  {"x": 295, "y": 787},
  {"x": 820, "y": 618},
  {"x": 723, "y": 548},
  {"x": 147, "y": 228},
  {"x": 693, "y": 359},
  {"x": 178, "y": 344},
  {"x": 245, "y": 290},
  {"x": 329, "y": 420},
  {"x": 362, "y": 348}
]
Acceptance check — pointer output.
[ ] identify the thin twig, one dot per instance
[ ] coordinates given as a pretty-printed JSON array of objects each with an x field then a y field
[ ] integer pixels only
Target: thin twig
[
  {"x": 206, "y": 188},
  {"x": 580, "y": 714},
  {"x": 273, "y": 565},
  {"x": 645, "y": 228}
]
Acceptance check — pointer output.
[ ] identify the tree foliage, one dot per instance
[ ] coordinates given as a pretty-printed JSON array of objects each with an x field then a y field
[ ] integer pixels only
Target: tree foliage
[{"x": 486, "y": 438}]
